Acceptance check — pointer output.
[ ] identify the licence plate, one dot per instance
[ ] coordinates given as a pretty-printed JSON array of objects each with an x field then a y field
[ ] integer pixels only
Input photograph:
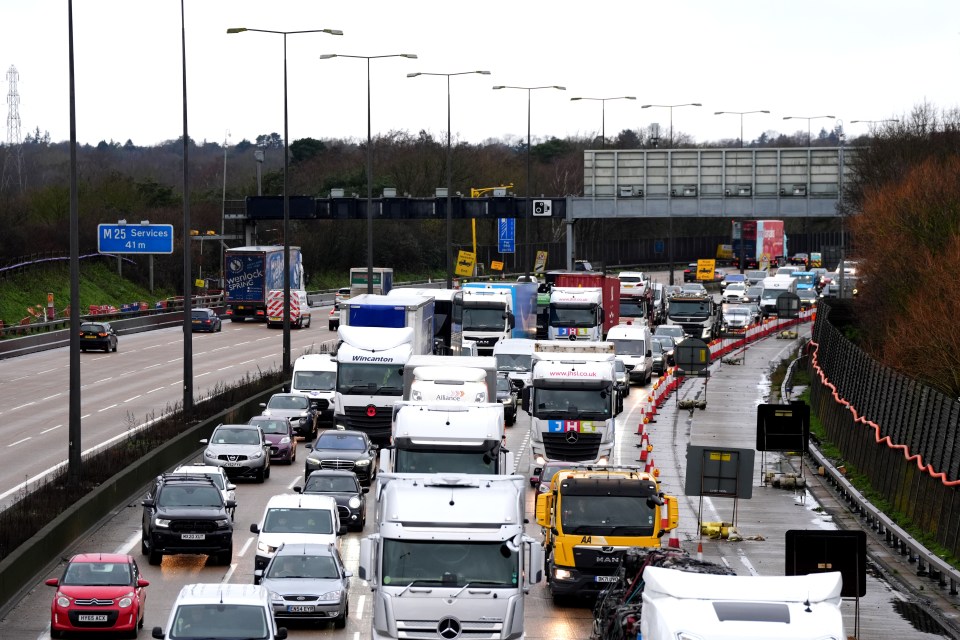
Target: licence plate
[
  {"x": 193, "y": 536},
  {"x": 605, "y": 578},
  {"x": 89, "y": 336},
  {"x": 91, "y": 617},
  {"x": 231, "y": 464},
  {"x": 300, "y": 608}
]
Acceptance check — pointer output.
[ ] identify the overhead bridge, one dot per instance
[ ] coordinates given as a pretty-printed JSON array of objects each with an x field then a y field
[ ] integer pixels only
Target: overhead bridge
[{"x": 654, "y": 183}]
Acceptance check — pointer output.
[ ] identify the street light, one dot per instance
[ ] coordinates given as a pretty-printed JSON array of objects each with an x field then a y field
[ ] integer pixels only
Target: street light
[
  {"x": 529, "y": 212},
  {"x": 741, "y": 114},
  {"x": 808, "y": 119},
  {"x": 603, "y": 115},
  {"x": 875, "y": 122},
  {"x": 286, "y": 195},
  {"x": 671, "y": 106},
  {"x": 449, "y": 166},
  {"x": 327, "y": 56}
]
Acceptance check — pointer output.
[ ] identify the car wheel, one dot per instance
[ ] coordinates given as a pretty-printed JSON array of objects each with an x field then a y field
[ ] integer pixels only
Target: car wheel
[
  {"x": 132, "y": 633},
  {"x": 156, "y": 558},
  {"x": 293, "y": 454},
  {"x": 260, "y": 476},
  {"x": 340, "y": 622},
  {"x": 219, "y": 327},
  {"x": 116, "y": 345},
  {"x": 56, "y": 634},
  {"x": 106, "y": 349},
  {"x": 225, "y": 557},
  {"x": 143, "y": 547},
  {"x": 266, "y": 472},
  {"x": 309, "y": 321}
]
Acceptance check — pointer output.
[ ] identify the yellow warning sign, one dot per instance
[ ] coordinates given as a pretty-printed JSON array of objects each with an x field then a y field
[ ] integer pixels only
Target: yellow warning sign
[
  {"x": 198, "y": 283},
  {"x": 496, "y": 265},
  {"x": 465, "y": 262},
  {"x": 541, "y": 263},
  {"x": 706, "y": 269},
  {"x": 720, "y": 456}
]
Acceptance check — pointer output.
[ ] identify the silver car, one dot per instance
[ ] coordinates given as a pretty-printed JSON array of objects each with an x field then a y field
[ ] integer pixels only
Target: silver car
[
  {"x": 296, "y": 407},
  {"x": 241, "y": 449},
  {"x": 307, "y": 582}
]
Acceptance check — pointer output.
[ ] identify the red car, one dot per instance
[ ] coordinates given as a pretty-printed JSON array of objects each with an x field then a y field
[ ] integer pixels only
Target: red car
[{"x": 98, "y": 592}]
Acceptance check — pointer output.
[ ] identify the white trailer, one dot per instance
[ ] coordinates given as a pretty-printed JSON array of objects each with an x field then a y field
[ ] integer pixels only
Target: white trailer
[
  {"x": 449, "y": 558},
  {"x": 680, "y": 604}
]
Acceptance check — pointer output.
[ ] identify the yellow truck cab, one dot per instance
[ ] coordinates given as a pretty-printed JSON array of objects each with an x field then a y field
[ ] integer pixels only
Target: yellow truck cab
[{"x": 590, "y": 516}]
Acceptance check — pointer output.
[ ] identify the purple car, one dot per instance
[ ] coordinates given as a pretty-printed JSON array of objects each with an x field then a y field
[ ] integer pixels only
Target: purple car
[{"x": 279, "y": 433}]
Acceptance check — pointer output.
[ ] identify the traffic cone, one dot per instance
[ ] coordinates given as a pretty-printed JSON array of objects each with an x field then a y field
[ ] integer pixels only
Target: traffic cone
[
  {"x": 649, "y": 466},
  {"x": 700, "y": 551},
  {"x": 640, "y": 427},
  {"x": 674, "y": 541}
]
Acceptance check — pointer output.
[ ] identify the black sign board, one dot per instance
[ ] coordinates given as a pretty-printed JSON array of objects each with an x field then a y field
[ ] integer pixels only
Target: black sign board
[
  {"x": 823, "y": 551},
  {"x": 719, "y": 472},
  {"x": 788, "y": 305},
  {"x": 692, "y": 355},
  {"x": 783, "y": 427}
]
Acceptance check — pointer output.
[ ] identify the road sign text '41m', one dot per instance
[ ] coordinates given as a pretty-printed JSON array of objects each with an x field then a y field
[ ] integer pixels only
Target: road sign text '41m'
[{"x": 135, "y": 238}]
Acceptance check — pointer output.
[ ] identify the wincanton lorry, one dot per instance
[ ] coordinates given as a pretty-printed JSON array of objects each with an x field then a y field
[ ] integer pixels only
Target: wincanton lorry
[
  {"x": 447, "y": 317},
  {"x": 374, "y": 310},
  {"x": 495, "y": 310},
  {"x": 450, "y": 559},
  {"x": 370, "y": 362},
  {"x": 443, "y": 438},
  {"x": 572, "y": 402},
  {"x": 583, "y": 306},
  {"x": 761, "y": 243},
  {"x": 382, "y": 280},
  {"x": 590, "y": 516},
  {"x": 251, "y": 272}
]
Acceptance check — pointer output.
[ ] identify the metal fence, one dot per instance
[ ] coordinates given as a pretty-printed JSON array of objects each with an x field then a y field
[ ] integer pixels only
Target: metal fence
[{"x": 902, "y": 435}]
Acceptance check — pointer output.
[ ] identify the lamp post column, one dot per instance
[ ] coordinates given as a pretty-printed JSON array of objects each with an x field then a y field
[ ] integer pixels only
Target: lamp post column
[
  {"x": 449, "y": 196},
  {"x": 369, "y": 190},
  {"x": 526, "y": 226}
]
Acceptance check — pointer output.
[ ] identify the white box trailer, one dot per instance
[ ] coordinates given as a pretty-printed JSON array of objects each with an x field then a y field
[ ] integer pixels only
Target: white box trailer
[
  {"x": 487, "y": 363},
  {"x": 681, "y": 604}
]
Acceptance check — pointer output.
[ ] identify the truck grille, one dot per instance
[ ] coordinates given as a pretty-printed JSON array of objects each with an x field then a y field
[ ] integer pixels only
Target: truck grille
[
  {"x": 377, "y": 428},
  {"x": 556, "y": 447},
  {"x": 427, "y": 630}
]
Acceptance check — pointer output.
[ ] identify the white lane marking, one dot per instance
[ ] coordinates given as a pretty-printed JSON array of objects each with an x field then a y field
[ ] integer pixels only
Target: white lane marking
[
  {"x": 200, "y": 375},
  {"x": 360, "y": 602},
  {"x": 226, "y": 576},
  {"x": 224, "y": 368},
  {"x": 743, "y": 559},
  {"x": 50, "y": 429},
  {"x": 230, "y": 346},
  {"x": 174, "y": 360},
  {"x": 21, "y": 406},
  {"x": 245, "y": 547},
  {"x": 131, "y": 542},
  {"x": 51, "y": 397},
  {"x": 13, "y": 444},
  {"x": 46, "y": 371},
  {"x": 100, "y": 380},
  {"x": 151, "y": 366},
  {"x": 248, "y": 361},
  {"x": 105, "y": 408},
  {"x": 86, "y": 416},
  {"x": 133, "y": 398},
  {"x": 293, "y": 483},
  {"x": 157, "y": 389}
]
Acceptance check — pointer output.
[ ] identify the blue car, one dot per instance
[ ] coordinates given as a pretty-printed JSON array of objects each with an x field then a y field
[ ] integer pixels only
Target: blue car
[{"x": 205, "y": 320}]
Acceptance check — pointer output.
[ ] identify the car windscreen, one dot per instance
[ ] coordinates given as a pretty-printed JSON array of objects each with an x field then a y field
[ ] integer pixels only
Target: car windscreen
[
  {"x": 220, "y": 620},
  {"x": 303, "y": 567},
  {"x": 271, "y": 426},
  {"x": 190, "y": 496},
  {"x": 97, "y": 573},
  {"x": 335, "y": 484},
  {"x": 283, "y": 520},
  {"x": 226, "y": 435},
  {"x": 199, "y": 315},
  {"x": 331, "y": 440},
  {"x": 315, "y": 380},
  {"x": 288, "y": 402}
]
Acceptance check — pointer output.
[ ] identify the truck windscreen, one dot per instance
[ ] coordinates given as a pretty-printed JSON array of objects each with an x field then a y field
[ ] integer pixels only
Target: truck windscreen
[
  {"x": 606, "y": 515},
  {"x": 381, "y": 379},
  {"x": 435, "y": 460},
  {"x": 514, "y": 361},
  {"x": 697, "y": 308},
  {"x": 483, "y": 318},
  {"x": 449, "y": 564},
  {"x": 581, "y": 316},
  {"x": 572, "y": 404},
  {"x": 314, "y": 380}
]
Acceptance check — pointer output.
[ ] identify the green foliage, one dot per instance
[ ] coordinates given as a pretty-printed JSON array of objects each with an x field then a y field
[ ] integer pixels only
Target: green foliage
[
  {"x": 548, "y": 151},
  {"x": 306, "y": 149},
  {"x": 99, "y": 284}
]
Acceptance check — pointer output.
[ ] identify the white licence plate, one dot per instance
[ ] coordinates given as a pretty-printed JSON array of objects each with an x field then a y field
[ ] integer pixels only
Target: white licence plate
[
  {"x": 300, "y": 608},
  {"x": 231, "y": 464},
  {"x": 605, "y": 578},
  {"x": 192, "y": 536},
  {"x": 91, "y": 618}
]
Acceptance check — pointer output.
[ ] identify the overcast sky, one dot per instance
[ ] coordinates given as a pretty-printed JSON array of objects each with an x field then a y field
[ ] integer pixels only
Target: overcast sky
[{"x": 854, "y": 59}]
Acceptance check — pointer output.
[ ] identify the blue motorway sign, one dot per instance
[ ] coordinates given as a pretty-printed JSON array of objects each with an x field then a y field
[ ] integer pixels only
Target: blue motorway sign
[
  {"x": 135, "y": 238},
  {"x": 506, "y": 235}
]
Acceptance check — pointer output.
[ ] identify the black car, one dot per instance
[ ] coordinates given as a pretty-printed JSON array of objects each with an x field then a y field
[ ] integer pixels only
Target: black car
[
  {"x": 344, "y": 487},
  {"x": 346, "y": 451},
  {"x": 205, "y": 320},
  {"x": 507, "y": 396},
  {"x": 186, "y": 514},
  {"x": 690, "y": 273},
  {"x": 98, "y": 335}
]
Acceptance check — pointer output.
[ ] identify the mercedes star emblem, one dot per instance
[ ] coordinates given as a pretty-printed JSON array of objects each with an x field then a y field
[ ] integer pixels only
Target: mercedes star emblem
[
  {"x": 449, "y": 628},
  {"x": 572, "y": 437}
]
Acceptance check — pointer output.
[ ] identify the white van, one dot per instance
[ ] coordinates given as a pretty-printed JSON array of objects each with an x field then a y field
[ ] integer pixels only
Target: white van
[
  {"x": 515, "y": 357},
  {"x": 315, "y": 376},
  {"x": 296, "y": 517},
  {"x": 632, "y": 344},
  {"x": 449, "y": 384},
  {"x": 300, "y": 316},
  {"x": 222, "y": 610},
  {"x": 772, "y": 288}
]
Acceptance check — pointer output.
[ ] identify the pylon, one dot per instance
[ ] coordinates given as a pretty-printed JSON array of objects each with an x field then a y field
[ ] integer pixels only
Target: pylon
[
  {"x": 649, "y": 466},
  {"x": 700, "y": 551},
  {"x": 674, "y": 542},
  {"x": 640, "y": 427}
]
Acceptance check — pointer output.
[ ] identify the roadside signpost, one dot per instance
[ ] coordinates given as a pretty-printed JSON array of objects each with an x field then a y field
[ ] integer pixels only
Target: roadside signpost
[{"x": 135, "y": 238}]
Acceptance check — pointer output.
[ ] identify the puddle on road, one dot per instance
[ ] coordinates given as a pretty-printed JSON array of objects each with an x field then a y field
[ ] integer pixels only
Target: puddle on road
[{"x": 919, "y": 618}]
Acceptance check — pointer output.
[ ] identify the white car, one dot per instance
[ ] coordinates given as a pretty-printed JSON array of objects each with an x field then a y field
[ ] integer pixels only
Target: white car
[
  {"x": 735, "y": 292},
  {"x": 296, "y": 518},
  {"x": 633, "y": 283}
]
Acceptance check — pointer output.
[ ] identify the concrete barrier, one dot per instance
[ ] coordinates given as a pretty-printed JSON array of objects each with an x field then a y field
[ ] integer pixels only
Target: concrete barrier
[{"x": 21, "y": 570}]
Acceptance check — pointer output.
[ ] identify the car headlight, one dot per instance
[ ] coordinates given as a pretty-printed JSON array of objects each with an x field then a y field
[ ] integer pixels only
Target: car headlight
[
  {"x": 331, "y": 595},
  {"x": 313, "y": 462},
  {"x": 264, "y": 547},
  {"x": 602, "y": 460},
  {"x": 362, "y": 463},
  {"x": 163, "y": 523},
  {"x": 126, "y": 601},
  {"x": 285, "y": 440},
  {"x": 416, "y": 395},
  {"x": 539, "y": 460},
  {"x": 256, "y": 455},
  {"x": 562, "y": 574},
  {"x": 276, "y": 597},
  {"x": 222, "y": 523},
  {"x": 63, "y": 601},
  {"x": 208, "y": 454},
  {"x": 354, "y": 502}
]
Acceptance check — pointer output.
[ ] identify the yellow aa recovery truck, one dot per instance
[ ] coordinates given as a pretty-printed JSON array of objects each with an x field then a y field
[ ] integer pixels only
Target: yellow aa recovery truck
[{"x": 590, "y": 516}]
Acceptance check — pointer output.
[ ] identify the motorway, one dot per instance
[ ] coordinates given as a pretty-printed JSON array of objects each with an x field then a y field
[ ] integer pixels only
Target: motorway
[{"x": 144, "y": 376}]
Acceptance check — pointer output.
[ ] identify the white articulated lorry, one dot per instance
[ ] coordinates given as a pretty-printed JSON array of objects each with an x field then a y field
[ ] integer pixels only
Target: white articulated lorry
[
  {"x": 576, "y": 313},
  {"x": 493, "y": 311},
  {"x": 449, "y": 558},
  {"x": 444, "y": 438},
  {"x": 680, "y": 604},
  {"x": 448, "y": 369},
  {"x": 572, "y": 403}
]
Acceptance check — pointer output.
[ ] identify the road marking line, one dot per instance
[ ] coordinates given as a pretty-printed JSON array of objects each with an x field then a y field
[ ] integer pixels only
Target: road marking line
[
  {"x": 21, "y": 406},
  {"x": 224, "y": 368},
  {"x": 200, "y": 375},
  {"x": 51, "y": 397},
  {"x": 103, "y": 380},
  {"x": 293, "y": 483},
  {"x": 86, "y": 416},
  {"x": 105, "y": 408},
  {"x": 50, "y": 429},
  {"x": 360, "y": 602},
  {"x": 133, "y": 398},
  {"x": 131, "y": 542},
  {"x": 13, "y": 444},
  {"x": 746, "y": 562},
  {"x": 246, "y": 545},
  {"x": 157, "y": 389},
  {"x": 226, "y": 576}
]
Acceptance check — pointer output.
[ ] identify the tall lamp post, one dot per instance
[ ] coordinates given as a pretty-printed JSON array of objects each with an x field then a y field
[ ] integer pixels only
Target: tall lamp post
[
  {"x": 603, "y": 115},
  {"x": 327, "y": 56},
  {"x": 449, "y": 166},
  {"x": 286, "y": 194},
  {"x": 873, "y": 123},
  {"x": 808, "y": 119},
  {"x": 529, "y": 211},
  {"x": 671, "y": 106},
  {"x": 741, "y": 114}
]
